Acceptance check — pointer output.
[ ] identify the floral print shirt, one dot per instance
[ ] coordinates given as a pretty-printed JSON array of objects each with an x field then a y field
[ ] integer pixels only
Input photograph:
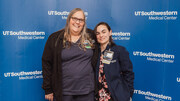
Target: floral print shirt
[{"x": 103, "y": 91}]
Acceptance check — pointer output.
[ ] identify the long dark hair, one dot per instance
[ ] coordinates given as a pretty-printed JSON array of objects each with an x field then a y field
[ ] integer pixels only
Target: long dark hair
[{"x": 109, "y": 29}]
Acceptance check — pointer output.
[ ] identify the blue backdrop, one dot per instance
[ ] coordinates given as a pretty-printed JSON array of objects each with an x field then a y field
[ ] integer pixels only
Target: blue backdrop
[{"x": 150, "y": 30}]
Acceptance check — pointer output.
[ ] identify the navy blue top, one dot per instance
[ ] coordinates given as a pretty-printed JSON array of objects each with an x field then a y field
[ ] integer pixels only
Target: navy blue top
[
  {"x": 78, "y": 74},
  {"x": 119, "y": 73}
]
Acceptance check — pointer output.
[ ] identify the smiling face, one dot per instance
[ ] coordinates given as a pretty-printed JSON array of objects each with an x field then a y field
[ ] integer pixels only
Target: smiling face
[
  {"x": 77, "y": 22},
  {"x": 103, "y": 34}
]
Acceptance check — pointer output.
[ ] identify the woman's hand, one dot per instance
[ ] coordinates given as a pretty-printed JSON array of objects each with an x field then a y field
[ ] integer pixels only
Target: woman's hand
[{"x": 49, "y": 97}]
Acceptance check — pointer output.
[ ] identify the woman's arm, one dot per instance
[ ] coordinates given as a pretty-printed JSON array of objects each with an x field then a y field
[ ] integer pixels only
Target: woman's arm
[
  {"x": 47, "y": 63},
  {"x": 127, "y": 68}
]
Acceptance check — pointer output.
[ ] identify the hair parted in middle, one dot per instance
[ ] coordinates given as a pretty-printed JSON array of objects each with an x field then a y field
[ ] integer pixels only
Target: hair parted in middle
[
  {"x": 111, "y": 43},
  {"x": 84, "y": 34}
]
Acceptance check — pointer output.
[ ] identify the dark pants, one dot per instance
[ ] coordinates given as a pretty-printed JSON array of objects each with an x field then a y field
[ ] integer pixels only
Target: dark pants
[{"x": 85, "y": 97}]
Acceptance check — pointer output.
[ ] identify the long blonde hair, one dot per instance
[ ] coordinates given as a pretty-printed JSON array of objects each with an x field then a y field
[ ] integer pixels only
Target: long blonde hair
[{"x": 84, "y": 34}]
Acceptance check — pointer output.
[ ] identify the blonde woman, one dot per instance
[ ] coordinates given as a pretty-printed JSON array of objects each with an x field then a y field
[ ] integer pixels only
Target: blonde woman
[{"x": 66, "y": 62}]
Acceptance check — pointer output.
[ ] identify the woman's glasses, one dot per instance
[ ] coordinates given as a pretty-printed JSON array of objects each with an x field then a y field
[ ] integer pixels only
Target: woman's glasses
[{"x": 77, "y": 19}]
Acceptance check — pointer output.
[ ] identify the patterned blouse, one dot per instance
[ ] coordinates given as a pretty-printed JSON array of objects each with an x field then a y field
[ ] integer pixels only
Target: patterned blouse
[{"x": 103, "y": 91}]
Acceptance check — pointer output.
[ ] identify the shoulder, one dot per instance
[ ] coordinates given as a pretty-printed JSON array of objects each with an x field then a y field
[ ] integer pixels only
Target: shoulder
[
  {"x": 121, "y": 52},
  {"x": 119, "y": 49},
  {"x": 90, "y": 31},
  {"x": 55, "y": 35}
]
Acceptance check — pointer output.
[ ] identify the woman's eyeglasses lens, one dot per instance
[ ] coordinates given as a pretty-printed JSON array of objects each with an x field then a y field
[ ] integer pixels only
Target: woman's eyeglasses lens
[{"x": 77, "y": 19}]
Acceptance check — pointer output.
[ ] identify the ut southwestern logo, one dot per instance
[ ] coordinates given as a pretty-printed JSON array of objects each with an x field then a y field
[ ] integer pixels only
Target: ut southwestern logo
[
  {"x": 35, "y": 35},
  {"x": 24, "y": 75},
  {"x": 121, "y": 35},
  {"x": 156, "y": 57},
  {"x": 153, "y": 96},
  {"x": 178, "y": 79},
  {"x": 158, "y": 15},
  {"x": 63, "y": 14}
]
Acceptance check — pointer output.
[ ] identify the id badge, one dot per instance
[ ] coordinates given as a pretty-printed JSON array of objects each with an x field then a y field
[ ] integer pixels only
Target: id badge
[
  {"x": 87, "y": 44},
  {"x": 108, "y": 56}
]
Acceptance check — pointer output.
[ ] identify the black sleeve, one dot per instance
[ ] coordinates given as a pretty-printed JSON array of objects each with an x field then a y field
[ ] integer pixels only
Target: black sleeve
[
  {"x": 95, "y": 50},
  {"x": 127, "y": 69},
  {"x": 47, "y": 65}
]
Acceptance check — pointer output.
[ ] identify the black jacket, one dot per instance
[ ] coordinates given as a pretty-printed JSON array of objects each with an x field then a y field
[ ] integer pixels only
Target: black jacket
[
  {"x": 119, "y": 74},
  {"x": 52, "y": 65}
]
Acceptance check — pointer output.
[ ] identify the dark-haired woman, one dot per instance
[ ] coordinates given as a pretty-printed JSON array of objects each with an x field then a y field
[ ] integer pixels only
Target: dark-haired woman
[{"x": 114, "y": 71}]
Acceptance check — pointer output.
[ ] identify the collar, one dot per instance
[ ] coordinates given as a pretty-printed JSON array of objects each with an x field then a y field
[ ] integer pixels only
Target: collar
[{"x": 107, "y": 48}]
